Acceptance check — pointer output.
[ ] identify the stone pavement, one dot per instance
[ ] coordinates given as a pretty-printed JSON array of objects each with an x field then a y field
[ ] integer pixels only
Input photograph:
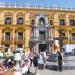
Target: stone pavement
[
  {"x": 67, "y": 65},
  {"x": 48, "y": 72},
  {"x": 9, "y": 72},
  {"x": 51, "y": 72}
]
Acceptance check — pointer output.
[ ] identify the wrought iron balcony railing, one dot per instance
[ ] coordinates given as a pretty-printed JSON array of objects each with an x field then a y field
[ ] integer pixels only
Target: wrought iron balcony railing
[
  {"x": 39, "y": 39},
  {"x": 8, "y": 39},
  {"x": 37, "y": 25},
  {"x": 73, "y": 38},
  {"x": 19, "y": 39}
]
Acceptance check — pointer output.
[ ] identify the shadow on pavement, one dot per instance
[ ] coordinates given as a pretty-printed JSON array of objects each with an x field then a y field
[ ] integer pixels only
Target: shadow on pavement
[
  {"x": 30, "y": 73},
  {"x": 55, "y": 67},
  {"x": 51, "y": 67}
]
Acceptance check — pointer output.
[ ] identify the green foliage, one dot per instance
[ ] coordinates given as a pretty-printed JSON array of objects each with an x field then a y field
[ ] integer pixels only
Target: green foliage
[{"x": 1, "y": 57}]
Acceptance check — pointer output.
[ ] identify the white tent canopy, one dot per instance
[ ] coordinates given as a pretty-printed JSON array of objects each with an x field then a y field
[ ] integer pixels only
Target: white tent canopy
[{"x": 69, "y": 47}]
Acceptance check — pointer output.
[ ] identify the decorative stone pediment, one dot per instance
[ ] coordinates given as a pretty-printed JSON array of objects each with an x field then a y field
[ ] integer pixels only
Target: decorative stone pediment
[
  {"x": 20, "y": 14},
  {"x": 41, "y": 14},
  {"x": 8, "y": 13},
  {"x": 43, "y": 17}
]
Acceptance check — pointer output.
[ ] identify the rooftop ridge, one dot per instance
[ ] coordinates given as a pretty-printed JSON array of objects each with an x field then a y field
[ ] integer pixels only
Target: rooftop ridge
[{"x": 3, "y": 5}]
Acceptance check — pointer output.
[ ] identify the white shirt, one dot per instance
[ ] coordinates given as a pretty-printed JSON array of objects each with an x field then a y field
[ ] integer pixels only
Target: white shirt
[
  {"x": 1, "y": 54},
  {"x": 40, "y": 60},
  {"x": 17, "y": 56},
  {"x": 44, "y": 53},
  {"x": 24, "y": 69},
  {"x": 17, "y": 73},
  {"x": 9, "y": 60}
]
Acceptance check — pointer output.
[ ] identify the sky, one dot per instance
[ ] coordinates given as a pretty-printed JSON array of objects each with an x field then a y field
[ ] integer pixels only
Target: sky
[{"x": 45, "y": 3}]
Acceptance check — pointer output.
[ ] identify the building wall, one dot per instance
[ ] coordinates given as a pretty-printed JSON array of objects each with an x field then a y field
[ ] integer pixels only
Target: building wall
[{"x": 28, "y": 15}]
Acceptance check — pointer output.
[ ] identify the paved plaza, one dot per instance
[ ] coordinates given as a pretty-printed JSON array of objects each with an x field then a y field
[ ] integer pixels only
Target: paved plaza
[{"x": 48, "y": 72}]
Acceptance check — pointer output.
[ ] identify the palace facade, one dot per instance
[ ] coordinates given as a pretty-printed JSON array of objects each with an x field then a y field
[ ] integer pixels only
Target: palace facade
[{"x": 34, "y": 29}]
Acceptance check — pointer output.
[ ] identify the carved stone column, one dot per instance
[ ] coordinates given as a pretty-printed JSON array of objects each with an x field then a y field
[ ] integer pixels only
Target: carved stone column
[{"x": 13, "y": 39}]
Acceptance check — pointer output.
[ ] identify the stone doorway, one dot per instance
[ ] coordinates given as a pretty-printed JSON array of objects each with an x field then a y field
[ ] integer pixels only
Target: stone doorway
[{"x": 42, "y": 47}]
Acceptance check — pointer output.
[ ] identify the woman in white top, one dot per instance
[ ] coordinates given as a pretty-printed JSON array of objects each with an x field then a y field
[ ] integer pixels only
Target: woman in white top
[
  {"x": 40, "y": 61},
  {"x": 17, "y": 68}
]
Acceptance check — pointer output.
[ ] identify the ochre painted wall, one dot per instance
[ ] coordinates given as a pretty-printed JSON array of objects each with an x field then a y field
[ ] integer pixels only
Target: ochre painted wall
[
  {"x": 29, "y": 14},
  {"x": 27, "y": 39},
  {"x": 2, "y": 17}
]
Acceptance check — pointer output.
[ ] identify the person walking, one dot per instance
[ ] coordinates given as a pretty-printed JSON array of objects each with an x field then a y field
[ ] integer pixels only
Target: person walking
[
  {"x": 31, "y": 58},
  {"x": 40, "y": 61},
  {"x": 6, "y": 63},
  {"x": 9, "y": 63},
  {"x": 60, "y": 62},
  {"x": 35, "y": 62},
  {"x": 44, "y": 58}
]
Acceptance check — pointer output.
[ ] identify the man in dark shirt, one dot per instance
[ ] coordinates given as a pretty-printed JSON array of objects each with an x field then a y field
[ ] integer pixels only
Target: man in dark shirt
[{"x": 60, "y": 63}]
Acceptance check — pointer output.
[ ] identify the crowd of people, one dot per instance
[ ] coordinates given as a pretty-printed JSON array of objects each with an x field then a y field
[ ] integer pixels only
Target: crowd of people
[{"x": 21, "y": 65}]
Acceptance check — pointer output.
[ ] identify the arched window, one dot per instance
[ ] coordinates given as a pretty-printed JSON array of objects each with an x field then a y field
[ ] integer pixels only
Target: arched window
[
  {"x": 72, "y": 22},
  {"x": 62, "y": 22},
  {"x": 20, "y": 21},
  {"x": 42, "y": 21},
  {"x": 8, "y": 20}
]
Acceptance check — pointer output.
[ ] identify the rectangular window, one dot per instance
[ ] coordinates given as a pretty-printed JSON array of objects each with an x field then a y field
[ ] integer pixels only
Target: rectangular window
[
  {"x": 20, "y": 21},
  {"x": 7, "y": 35},
  {"x": 8, "y": 20},
  {"x": 73, "y": 36},
  {"x": 19, "y": 45},
  {"x": 7, "y": 45},
  {"x": 72, "y": 22},
  {"x": 62, "y": 22},
  {"x": 42, "y": 35},
  {"x": 20, "y": 35}
]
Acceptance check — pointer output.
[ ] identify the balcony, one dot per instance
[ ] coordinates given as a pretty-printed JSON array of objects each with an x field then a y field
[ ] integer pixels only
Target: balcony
[
  {"x": 35, "y": 39},
  {"x": 42, "y": 39},
  {"x": 41, "y": 25},
  {"x": 69, "y": 41},
  {"x": 19, "y": 40},
  {"x": 6, "y": 40},
  {"x": 72, "y": 41},
  {"x": 73, "y": 38}
]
